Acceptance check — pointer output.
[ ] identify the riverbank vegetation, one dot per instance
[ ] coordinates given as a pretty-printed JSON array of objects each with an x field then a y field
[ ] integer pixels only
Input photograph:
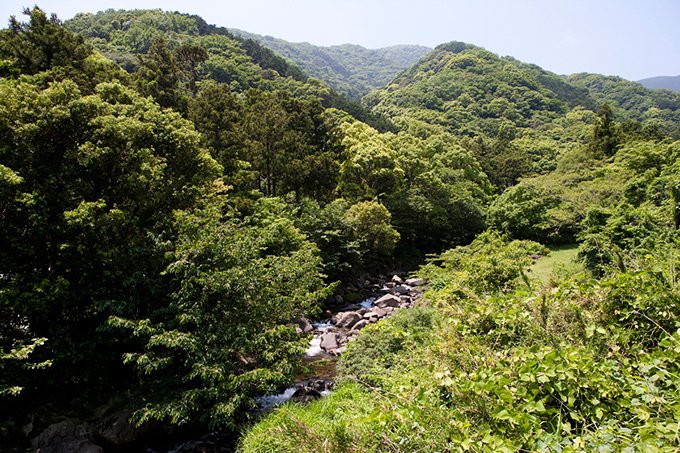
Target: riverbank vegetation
[{"x": 174, "y": 196}]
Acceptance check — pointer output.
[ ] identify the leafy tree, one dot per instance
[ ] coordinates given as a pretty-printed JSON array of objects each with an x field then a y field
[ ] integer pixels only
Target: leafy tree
[
  {"x": 160, "y": 76},
  {"x": 190, "y": 57},
  {"x": 331, "y": 230},
  {"x": 42, "y": 44},
  {"x": 371, "y": 168},
  {"x": 291, "y": 144},
  {"x": 89, "y": 185},
  {"x": 370, "y": 223},
  {"x": 522, "y": 212},
  {"x": 224, "y": 335},
  {"x": 605, "y": 139}
]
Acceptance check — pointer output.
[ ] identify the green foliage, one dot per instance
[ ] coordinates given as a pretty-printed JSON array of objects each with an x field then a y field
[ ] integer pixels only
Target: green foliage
[
  {"x": 223, "y": 336},
  {"x": 434, "y": 189},
  {"x": 370, "y": 225},
  {"x": 41, "y": 44},
  {"x": 522, "y": 212},
  {"x": 44, "y": 49},
  {"x": 605, "y": 139},
  {"x": 489, "y": 265},
  {"x": 204, "y": 53},
  {"x": 332, "y": 230},
  {"x": 348, "y": 68},
  {"x": 630, "y": 100},
  {"x": 93, "y": 182},
  {"x": 567, "y": 369},
  {"x": 160, "y": 75},
  {"x": 382, "y": 345}
]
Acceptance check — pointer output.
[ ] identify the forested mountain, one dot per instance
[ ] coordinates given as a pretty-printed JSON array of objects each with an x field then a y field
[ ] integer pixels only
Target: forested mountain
[
  {"x": 225, "y": 58},
  {"x": 661, "y": 83},
  {"x": 348, "y": 68},
  {"x": 175, "y": 200},
  {"x": 630, "y": 100},
  {"x": 516, "y": 117}
]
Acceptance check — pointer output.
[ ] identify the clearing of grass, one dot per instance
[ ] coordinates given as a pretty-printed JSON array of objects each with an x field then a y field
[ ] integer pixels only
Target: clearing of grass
[{"x": 561, "y": 260}]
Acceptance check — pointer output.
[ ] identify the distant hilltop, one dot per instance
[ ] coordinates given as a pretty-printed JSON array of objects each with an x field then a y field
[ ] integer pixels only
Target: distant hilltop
[{"x": 667, "y": 82}]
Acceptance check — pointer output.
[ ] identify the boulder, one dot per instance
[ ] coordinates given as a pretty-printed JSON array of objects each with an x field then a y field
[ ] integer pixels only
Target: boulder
[
  {"x": 305, "y": 394},
  {"x": 388, "y": 300},
  {"x": 401, "y": 290},
  {"x": 360, "y": 325},
  {"x": 415, "y": 281},
  {"x": 303, "y": 324},
  {"x": 69, "y": 435},
  {"x": 116, "y": 429},
  {"x": 329, "y": 341},
  {"x": 379, "y": 312},
  {"x": 347, "y": 319},
  {"x": 397, "y": 279},
  {"x": 371, "y": 318}
]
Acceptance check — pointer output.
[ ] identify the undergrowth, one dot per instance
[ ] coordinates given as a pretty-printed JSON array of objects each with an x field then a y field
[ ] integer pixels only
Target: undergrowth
[{"x": 582, "y": 365}]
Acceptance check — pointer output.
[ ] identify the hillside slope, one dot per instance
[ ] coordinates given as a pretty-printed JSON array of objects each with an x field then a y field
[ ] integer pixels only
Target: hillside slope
[
  {"x": 348, "y": 68},
  {"x": 125, "y": 36},
  {"x": 470, "y": 91}
]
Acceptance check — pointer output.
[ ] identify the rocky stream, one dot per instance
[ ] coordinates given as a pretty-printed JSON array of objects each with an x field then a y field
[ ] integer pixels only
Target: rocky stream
[{"x": 349, "y": 310}]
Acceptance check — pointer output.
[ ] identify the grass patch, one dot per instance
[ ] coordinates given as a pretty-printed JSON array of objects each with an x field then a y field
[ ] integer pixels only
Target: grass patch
[{"x": 561, "y": 261}]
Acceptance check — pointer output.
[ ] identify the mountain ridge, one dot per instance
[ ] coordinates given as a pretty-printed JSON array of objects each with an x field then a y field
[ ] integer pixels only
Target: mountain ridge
[
  {"x": 350, "y": 68},
  {"x": 661, "y": 82}
]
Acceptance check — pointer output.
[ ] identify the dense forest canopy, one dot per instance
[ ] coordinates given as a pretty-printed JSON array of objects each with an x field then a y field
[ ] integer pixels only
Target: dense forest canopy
[
  {"x": 175, "y": 196},
  {"x": 348, "y": 68}
]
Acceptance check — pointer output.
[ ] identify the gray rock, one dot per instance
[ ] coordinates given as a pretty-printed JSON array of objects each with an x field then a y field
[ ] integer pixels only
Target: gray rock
[
  {"x": 69, "y": 435},
  {"x": 303, "y": 324},
  {"x": 361, "y": 324},
  {"x": 415, "y": 281},
  {"x": 379, "y": 312},
  {"x": 347, "y": 319},
  {"x": 329, "y": 341},
  {"x": 116, "y": 429},
  {"x": 397, "y": 279},
  {"x": 388, "y": 300},
  {"x": 401, "y": 290}
]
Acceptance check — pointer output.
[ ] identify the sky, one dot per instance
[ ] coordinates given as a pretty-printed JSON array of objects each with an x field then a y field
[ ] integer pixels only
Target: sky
[{"x": 633, "y": 39}]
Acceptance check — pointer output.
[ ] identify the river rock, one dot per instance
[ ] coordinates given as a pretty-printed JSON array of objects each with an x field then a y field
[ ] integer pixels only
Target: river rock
[
  {"x": 69, "y": 435},
  {"x": 401, "y": 290},
  {"x": 329, "y": 341},
  {"x": 360, "y": 325},
  {"x": 415, "y": 281},
  {"x": 117, "y": 430},
  {"x": 347, "y": 319},
  {"x": 305, "y": 395},
  {"x": 388, "y": 300},
  {"x": 303, "y": 324},
  {"x": 379, "y": 312},
  {"x": 397, "y": 279}
]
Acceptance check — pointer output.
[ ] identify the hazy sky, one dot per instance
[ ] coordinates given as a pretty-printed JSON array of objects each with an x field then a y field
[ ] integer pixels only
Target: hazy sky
[{"x": 633, "y": 39}]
